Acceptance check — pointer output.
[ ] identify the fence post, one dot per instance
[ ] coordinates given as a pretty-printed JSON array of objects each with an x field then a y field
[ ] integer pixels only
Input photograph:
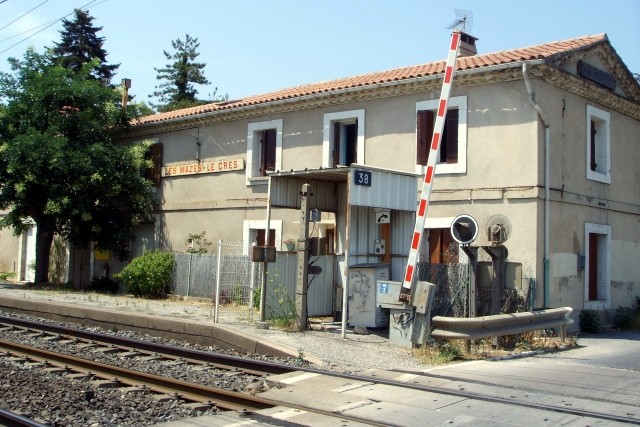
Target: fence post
[
  {"x": 251, "y": 288},
  {"x": 189, "y": 274},
  {"x": 218, "y": 274}
]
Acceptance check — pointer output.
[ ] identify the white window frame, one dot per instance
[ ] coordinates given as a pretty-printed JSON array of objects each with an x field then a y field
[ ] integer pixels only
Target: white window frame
[
  {"x": 253, "y": 149},
  {"x": 603, "y": 144},
  {"x": 604, "y": 268},
  {"x": 327, "y": 134},
  {"x": 459, "y": 102},
  {"x": 250, "y": 225}
]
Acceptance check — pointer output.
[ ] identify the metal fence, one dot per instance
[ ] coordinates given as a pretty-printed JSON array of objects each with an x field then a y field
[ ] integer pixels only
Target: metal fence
[
  {"x": 232, "y": 282},
  {"x": 228, "y": 278},
  {"x": 281, "y": 286},
  {"x": 451, "y": 297}
]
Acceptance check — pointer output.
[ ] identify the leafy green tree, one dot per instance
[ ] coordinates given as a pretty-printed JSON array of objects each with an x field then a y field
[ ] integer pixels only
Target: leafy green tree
[
  {"x": 80, "y": 44},
  {"x": 180, "y": 75},
  {"x": 58, "y": 165}
]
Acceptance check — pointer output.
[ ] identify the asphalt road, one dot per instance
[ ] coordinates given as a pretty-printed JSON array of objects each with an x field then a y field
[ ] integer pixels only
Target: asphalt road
[{"x": 610, "y": 349}]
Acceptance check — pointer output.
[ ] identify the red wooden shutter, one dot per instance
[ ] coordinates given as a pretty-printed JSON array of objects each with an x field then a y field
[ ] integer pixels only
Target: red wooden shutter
[
  {"x": 424, "y": 133},
  {"x": 267, "y": 151},
  {"x": 592, "y": 161},
  {"x": 450, "y": 140},
  {"x": 260, "y": 237},
  {"x": 263, "y": 152},
  {"x": 435, "y": 246},
  {"x": 336, "y": 144},
  {"x": 593, "y": 267},
  {"x": 271, "y": 150}
]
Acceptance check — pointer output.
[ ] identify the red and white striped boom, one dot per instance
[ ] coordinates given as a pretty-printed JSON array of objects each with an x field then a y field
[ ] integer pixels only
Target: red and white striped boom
[{"x": 421, "y": 213}]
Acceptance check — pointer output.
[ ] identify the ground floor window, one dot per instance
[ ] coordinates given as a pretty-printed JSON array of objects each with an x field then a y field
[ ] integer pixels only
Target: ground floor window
[
  {"x": 597, "y": 277},
  {"x": 254, "y": 232}
]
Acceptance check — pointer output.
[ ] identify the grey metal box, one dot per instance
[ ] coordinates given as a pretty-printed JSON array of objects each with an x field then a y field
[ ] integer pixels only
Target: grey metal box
[{"x": 388, "y": 294}]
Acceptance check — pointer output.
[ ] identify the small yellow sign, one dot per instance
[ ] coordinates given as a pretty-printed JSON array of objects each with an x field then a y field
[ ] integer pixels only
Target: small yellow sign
[{"x": 101, "y": 254}]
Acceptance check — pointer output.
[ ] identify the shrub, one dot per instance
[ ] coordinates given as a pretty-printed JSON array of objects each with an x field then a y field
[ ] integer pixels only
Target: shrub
[
  {"x": 148, "y": 275},
  {"x": 625, "y": 318},
  {"x": 104, "y": 285},
  {"x": 590, "y": 321}
]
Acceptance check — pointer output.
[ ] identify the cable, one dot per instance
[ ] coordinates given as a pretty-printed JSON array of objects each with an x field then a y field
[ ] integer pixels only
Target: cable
[
  {"x": 23, "y": 15},
  {"x": 48, "y": 25}
]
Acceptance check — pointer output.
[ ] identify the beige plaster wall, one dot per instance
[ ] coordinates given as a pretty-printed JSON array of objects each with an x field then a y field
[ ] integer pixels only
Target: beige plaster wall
[{"x": 9, "y": 252}]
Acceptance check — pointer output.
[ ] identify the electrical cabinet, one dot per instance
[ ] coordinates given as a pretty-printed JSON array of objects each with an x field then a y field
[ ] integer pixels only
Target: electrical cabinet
[{"x": 364, "y": 310}]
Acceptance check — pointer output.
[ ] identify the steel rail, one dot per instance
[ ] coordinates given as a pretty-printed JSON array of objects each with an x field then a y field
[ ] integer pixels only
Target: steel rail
[
  {"x": 222, "y": 399},
  {"x": 10, "y": 419},
  {"x": 194, "y": 392},
  {"x": 250, "y": 366},
  {"x": 278, "y": 369}
]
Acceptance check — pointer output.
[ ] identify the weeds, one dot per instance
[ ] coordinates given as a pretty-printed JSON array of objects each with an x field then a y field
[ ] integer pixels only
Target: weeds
[
  {"x": 4, "y": 276},
  {"x": 282, "y": 310},
  {"x": 440, "y": 351}
]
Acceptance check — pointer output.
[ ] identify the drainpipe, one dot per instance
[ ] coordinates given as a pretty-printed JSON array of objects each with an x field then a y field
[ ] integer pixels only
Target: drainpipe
[{"x": 545, "y": 123}]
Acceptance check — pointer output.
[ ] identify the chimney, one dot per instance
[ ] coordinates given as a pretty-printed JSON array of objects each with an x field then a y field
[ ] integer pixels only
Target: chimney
[{"x": 467, "y": 45}]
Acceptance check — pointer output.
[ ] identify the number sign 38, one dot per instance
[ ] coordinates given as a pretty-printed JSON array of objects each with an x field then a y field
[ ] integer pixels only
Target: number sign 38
[{"x": 362, "y": 178}]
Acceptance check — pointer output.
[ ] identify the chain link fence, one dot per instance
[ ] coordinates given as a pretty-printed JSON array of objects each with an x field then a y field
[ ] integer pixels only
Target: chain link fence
[
  {"x": 451, "y": 297},
  {"x": 228, "y": 278}
]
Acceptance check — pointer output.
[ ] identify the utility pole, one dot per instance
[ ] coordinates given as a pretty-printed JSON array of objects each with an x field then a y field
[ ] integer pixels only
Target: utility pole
[
  {"x": 126, "y": 85},
  {"x": 303, "y": 265}
]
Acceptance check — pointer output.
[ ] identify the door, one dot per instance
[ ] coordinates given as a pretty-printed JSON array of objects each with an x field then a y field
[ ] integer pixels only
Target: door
[{"x": 29, "y": 264}]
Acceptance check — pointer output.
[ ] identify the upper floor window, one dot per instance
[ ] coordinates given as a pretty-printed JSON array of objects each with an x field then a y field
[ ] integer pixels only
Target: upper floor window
[
  {"x": 452, "y": 156},
  {"x": 153, "y": 157},
  {"x": 264, "y": 148},
  {"x": 343, "y": 138},
  {"x": 598, "y": 145}
]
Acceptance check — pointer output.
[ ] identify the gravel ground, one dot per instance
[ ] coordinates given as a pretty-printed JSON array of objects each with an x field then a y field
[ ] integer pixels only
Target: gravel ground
[{"x": 56, "y": 400}]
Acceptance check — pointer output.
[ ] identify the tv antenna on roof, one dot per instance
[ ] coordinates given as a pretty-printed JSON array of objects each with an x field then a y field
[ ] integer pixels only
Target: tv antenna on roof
[{"x": 463, "y": 22}]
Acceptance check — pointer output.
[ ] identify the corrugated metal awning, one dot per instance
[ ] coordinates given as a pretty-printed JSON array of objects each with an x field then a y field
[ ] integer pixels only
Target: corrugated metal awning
[{"x": 384, "y": 188}]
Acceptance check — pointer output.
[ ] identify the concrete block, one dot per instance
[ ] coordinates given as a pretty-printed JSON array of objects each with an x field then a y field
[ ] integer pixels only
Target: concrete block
[
  {"x": 167, "y": 324},
  {"x": 139, "y": 321}
]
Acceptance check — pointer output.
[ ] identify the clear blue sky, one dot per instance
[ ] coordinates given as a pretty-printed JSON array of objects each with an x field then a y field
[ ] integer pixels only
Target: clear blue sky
[{"x": 257, "y": 46}]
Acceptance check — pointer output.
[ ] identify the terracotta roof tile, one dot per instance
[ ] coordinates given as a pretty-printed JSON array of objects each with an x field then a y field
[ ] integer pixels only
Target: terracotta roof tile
[{"x": 544, "y": 51}]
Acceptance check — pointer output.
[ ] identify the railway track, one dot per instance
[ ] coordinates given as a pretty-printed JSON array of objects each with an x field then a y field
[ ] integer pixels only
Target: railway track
[{"x": 106, "y": 375}]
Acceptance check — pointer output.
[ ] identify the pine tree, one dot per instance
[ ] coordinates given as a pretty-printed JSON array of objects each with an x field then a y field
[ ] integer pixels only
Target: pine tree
[
  {"x": 80, "y": 44},
  {"x": 180, "y": 75}
]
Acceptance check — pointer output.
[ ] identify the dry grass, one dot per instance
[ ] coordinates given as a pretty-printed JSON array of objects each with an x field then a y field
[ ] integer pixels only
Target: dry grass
[{"x": 439, "y": 352}]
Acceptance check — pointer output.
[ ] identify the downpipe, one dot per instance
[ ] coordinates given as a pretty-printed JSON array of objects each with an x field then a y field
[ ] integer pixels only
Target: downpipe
[{"x": 547, "y": 144}]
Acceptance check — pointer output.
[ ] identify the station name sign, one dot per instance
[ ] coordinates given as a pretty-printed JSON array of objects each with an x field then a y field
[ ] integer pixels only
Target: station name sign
[{"x": 205, "y": 166}]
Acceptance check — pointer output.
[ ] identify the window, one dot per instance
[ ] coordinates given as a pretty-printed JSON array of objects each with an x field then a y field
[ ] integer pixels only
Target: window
[
  {"x": 453, "y": 147},
  {"x": 598, "y": 144},
  {"x": 253, "y": 231},
  {"x": 597, "y": 277},
  {"x": 264, "y": 148},
  {"x": 343, "y": 138}
]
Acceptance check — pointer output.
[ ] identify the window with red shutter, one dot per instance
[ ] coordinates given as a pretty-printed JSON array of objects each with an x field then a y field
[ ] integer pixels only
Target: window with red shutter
[{"x": 449, "y": 145}]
